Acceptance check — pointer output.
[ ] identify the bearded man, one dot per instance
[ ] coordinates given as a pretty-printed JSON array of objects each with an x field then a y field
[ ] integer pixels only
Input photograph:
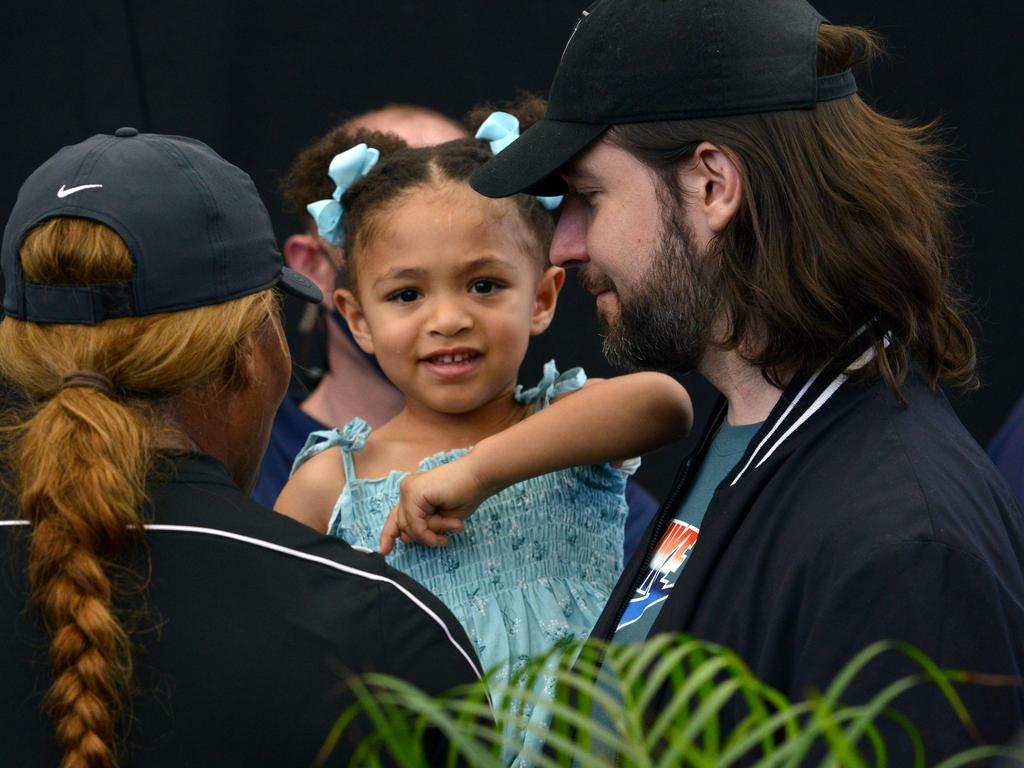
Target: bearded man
[{"x": 737, "y": 209}]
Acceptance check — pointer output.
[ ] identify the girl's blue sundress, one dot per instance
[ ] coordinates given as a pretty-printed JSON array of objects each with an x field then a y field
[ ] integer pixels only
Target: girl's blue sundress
[{"x": 536, "y": 562}]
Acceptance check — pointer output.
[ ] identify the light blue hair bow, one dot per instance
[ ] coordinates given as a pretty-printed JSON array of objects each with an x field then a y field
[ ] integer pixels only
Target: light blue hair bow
[
  {"x": 345, "y": 169},
  {"x": 501, "y": 129}
]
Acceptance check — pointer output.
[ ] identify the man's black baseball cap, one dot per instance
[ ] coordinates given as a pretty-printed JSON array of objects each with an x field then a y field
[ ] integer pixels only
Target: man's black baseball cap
[
  {"x": 194, "y": 224},
  {"x": 634, "y": 61}
]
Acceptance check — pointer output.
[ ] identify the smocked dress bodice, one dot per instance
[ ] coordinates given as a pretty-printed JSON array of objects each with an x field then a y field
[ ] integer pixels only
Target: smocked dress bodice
[{"x": 536, "y": 562}]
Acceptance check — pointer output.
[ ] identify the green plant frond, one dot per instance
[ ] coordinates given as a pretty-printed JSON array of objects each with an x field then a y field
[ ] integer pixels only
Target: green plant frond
[
  {"x": 334, "y": 734},
  {"x": 681, "y": 697},
  {"x": 698, "y": 681},
  {"x": 634, "y": 660},
  {"x": 683, "y": 752},
  {"x": 586, "y": 667},
  {"x": 510, "y": 721},
  {"x": 827, "y": 723},
  {"x": 653, "y": 666},
  {"x": 878, "y": 745},
  {"x": 840, "y": 746},
  {"x": 723, "y": 660},
  {"x": 757, "y": 703},
  {"x": 561, "y": 747},
  {"x": 707, "y": 710},
  {"x": 982, "y": 753},
  {"x": 865, "y": 715},
  {"x": 854, "y": 667},
  {"x": 940, "y": 677},
  {"x": 787, "y": 716},
  {"x": 410, "y": 712},
  {"x": 609, "y": 738},
  {"x": 605, "y": 692},
  {"x": 392, "y": 733},
  {"x": 916, "y": 743}
]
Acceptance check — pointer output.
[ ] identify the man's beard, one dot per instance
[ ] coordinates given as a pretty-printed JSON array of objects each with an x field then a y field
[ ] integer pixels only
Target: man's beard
[{"x": 665, "y": 321}]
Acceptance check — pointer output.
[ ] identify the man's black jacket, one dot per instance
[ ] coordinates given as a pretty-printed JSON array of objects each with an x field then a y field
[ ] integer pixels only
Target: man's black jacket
[{"x": 852, "y": 519}]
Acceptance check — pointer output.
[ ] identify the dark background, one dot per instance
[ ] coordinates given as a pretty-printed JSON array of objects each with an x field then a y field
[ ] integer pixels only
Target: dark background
[{"x": 259, "y": 80}]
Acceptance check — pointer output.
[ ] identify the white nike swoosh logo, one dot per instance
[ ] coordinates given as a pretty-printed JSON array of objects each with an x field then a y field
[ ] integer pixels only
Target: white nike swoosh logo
[{"x": 65, "y": 192}]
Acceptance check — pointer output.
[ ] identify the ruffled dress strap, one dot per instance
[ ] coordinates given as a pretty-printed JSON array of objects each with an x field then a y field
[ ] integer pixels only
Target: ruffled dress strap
[
  {"x": 351, "y": 437},
  {"x": 552, "y": 385}
]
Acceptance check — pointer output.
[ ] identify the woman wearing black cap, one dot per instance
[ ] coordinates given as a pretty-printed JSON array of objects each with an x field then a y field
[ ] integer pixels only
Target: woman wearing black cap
[{"x": 150, "y": 613}]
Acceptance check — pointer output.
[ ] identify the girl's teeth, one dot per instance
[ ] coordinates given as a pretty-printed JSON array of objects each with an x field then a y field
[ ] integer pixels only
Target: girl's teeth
[{"x": 452, "y": 358}]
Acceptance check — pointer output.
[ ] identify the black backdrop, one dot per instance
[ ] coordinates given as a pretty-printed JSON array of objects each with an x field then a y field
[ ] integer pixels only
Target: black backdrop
[{"x": 258, "y": 80}]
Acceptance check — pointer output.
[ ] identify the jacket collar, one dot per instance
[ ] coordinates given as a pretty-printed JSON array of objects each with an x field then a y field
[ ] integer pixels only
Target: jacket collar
[
  {"x": 808, "y": 393},
  {"x": 810, "y": 402}
]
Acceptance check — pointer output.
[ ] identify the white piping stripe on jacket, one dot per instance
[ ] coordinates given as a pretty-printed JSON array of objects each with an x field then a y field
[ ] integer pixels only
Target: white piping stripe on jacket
[
  {"x": 860, "y": 362},
  {"x": 314, "y": 559},
  {"x": 815, "y": 406},
  {"x": 782, "y": 418},
  {"x": 867, "y": 356},
  {"x": 330, "y": 564}
]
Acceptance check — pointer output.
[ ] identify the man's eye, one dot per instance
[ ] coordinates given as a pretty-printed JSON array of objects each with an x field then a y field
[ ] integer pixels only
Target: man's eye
[
  {"x": 588, "y": 197},
  {"x": 483, "y": 286},
  {"x": 404, "y": 296}
]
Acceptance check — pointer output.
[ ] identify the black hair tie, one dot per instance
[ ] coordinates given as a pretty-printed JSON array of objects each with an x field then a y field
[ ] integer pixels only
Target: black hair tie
[{"x": 88, "y": 379}]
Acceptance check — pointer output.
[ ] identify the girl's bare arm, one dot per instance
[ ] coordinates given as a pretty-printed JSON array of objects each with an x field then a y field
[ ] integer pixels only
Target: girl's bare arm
[
  {"x": 310, "y": 494},
  {"x": 608, "y": 420}
]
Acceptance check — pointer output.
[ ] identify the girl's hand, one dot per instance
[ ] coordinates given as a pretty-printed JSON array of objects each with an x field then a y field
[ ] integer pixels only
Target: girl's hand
[{"x": 434, "y": 503}]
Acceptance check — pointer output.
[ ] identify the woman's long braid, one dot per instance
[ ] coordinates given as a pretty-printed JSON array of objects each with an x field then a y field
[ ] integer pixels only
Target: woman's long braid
[{"x": 82, "y": 464}]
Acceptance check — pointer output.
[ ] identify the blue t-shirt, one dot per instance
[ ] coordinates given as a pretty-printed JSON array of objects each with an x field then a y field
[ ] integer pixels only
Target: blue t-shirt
[{"x": 677, "y": 542}]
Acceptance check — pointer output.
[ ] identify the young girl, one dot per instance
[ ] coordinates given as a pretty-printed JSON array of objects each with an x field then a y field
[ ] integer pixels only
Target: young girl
[{"x": 446, "y": 288}]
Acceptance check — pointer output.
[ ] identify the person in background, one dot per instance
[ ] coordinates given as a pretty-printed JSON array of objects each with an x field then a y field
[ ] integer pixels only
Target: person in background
[
  {"x": 1007, "y": 450},
  {"x": 351, "y": 383},
  {"x": 150, "y": 612}
]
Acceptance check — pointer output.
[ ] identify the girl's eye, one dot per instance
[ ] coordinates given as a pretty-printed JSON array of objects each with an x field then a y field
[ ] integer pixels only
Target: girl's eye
[
  {"x": 483, "y": 286},
  {"x": 404, "y": 296}
]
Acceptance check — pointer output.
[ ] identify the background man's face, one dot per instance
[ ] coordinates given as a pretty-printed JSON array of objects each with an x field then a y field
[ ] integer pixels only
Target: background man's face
[{"x": 655, "y": 292}]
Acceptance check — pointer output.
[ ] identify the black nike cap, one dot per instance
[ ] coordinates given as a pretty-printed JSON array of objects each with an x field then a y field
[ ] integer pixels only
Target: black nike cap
[
  {"x": 634, "y": 61},
  {"x": 193, "y": 223}
]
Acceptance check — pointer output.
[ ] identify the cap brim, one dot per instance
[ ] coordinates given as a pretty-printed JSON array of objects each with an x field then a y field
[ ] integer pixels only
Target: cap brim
[
  {"x": 300, "y": 286},
  {"x": 530, "y": 163}
]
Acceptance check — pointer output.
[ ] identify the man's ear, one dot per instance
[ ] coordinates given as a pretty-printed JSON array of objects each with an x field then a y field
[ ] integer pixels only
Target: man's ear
[
  {"x": 546, "y": 298},
  {"x": 348, "y": 305},
  {"x": 304, "y": 254},
  {"x": 714, "y": 185}
]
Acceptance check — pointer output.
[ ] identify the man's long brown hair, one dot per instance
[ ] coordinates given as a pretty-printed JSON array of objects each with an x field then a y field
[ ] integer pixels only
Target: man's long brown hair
[{"x": 844, "y": 222}]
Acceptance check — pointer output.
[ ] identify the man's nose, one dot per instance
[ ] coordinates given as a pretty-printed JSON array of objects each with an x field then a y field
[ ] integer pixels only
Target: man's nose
[{"x": 569, "y": 245}]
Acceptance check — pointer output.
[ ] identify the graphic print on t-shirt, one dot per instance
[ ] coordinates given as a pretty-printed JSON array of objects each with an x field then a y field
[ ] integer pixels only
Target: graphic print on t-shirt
[{"x": 663, "y": 571}]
